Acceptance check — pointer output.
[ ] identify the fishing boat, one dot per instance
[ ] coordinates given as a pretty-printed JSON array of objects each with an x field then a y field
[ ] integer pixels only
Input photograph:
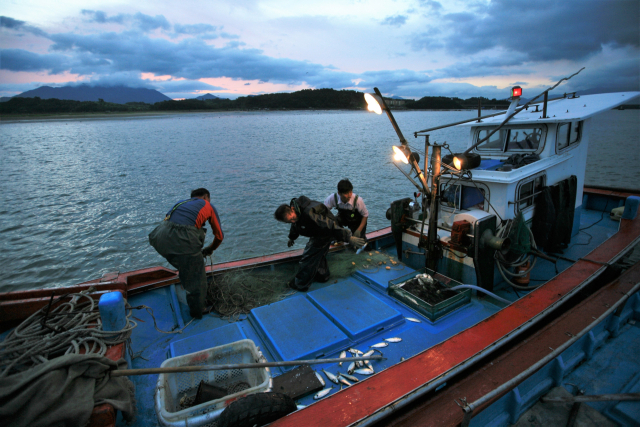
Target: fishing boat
[{"x": 500, "y": 278}]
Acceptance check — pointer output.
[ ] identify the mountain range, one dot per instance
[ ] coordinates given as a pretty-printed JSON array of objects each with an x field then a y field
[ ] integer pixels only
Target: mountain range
[{"x": 115, "y": 94}]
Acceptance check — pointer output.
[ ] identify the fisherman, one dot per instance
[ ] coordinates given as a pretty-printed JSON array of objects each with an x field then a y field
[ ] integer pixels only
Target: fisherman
[
  {"x": 180, "y": 238},
  {"x": 313, "y": 219},
  {"x": 352, "y": 212}
]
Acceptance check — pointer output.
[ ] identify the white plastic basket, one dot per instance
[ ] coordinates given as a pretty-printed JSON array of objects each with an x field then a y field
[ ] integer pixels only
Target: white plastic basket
[{"x": 176, "y": 387}]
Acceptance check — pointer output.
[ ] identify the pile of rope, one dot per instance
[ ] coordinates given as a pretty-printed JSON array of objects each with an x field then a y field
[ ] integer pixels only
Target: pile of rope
[{"x": 68, "y": 328}]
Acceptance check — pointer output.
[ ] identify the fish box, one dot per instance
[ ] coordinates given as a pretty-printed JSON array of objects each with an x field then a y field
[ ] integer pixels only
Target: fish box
[
  {"x": 432, "y": 299},
  {"x": 175, "y": 392}
]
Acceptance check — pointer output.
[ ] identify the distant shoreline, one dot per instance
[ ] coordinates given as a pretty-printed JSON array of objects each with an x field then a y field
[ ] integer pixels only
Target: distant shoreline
[{"x": 159, "y": 114}]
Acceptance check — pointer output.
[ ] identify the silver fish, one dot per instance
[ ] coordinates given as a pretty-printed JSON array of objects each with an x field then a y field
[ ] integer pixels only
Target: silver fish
[
  {"x": 321, "y": 379},
  {"x": 364, "y": 371},
  {"x": 380, "y": 345},
  {"x": 368, "y": 353},
  {"x": 342, "y": 356},
  {"x": 355, "y": 351},
  {"x": 344, "y": 381},
  {"x": 393, "y": 339},
  {"x": 350, "y": 377},
  {"x": 351, "y": 368},
  {"x": 411, "y": 319},
  {"x": 366, "y": 362},
  {"x": 322, "y": 393},
  {"x": 331, "y": 377},
  {"x": 359, "y": 364}
]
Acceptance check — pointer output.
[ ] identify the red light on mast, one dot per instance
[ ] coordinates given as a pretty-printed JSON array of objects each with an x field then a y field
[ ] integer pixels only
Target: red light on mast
[{"x": 516, "y": 91}]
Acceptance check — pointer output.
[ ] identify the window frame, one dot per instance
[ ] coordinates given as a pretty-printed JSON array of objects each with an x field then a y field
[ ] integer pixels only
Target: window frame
[
  {"x": 530, "y": 198},
  {"x": 507, "y": 135},
  {"x": 570, "y": 144}
]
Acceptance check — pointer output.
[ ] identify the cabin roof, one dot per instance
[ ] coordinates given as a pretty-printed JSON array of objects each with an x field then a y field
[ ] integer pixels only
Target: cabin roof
[{"x": 564, "y": 109}]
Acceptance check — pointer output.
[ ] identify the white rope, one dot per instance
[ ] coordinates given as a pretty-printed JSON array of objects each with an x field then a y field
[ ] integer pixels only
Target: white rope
[{"x": 69, "y": 328}]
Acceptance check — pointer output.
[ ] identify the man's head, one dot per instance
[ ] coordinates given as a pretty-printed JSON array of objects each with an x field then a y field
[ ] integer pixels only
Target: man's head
[
  {"x": 286, "y": 213},
  {"x": 345, "y": 190},
  {"x": 201, "y": 193}
]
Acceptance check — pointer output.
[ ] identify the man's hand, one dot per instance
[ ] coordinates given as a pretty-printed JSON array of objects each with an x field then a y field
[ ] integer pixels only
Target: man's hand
[
  {"x": 356, "y": 242},
  {"x": 207, "y": 252},
  {"x": 358, "y": 233},
  {"x": 290, "y": 243}
]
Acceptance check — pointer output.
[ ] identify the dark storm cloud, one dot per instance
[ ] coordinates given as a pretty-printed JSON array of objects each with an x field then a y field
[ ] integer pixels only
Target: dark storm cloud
[
  {"x": 150, "y": 23},
  {"x": 143, "y": 22},
  {"x": 395, "y": 21},
  {"x": 16, "y": 25},
  {"x": 544, "y": 29},
  {"x": 175, "y": 86},
  {"x": 22, "y": 60},
  {"x": 102, "y": 18}
]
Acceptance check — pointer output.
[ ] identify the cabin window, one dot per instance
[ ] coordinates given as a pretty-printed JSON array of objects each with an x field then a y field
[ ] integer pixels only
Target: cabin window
[
  {"x": 527, "y": 190},
  {"x": 568, "y": 134},
  {"x": 495, "y": 142},
  {"x": 514, "y": 139},
  {"x": 524, "y": 139},
  {"x": 459, "y": 197}
]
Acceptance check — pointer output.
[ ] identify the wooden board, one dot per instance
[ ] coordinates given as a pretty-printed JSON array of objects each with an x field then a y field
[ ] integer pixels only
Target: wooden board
[{"x": 297, "y": 382}]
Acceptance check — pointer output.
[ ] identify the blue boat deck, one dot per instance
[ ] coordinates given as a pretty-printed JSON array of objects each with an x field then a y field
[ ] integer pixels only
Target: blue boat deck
[{"x": 355, "y": 312}]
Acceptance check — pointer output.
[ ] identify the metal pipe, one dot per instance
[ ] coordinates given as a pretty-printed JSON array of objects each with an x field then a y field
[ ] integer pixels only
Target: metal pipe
[
  {"x": 544, "y": 108},
  {"x": 408, "y": 177},
  {"x": 458, "y": 123},
  {"x": 468, "y": 409},
  {"x": 479, "y": 109},
  {"x": 432, "y": 235},
  {"x": 593, "y": 398},
  {"x": 176, "y": 369},
  {"x": 391, "y": 118}
]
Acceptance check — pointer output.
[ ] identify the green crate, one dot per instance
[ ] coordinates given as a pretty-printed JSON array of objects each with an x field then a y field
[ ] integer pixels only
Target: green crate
[{"x": 432, "y": 312}]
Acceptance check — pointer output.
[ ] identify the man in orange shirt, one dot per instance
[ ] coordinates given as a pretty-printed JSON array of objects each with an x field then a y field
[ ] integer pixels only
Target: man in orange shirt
[{"x": 180, "y": 239}]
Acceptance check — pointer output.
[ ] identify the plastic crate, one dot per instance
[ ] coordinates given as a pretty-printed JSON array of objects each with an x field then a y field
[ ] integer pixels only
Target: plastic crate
[
  {"x": 432, "y": 312},
  {"x": 174, "y": 389}
]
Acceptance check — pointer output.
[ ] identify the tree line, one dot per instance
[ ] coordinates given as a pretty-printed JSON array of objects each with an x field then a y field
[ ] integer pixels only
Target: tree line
[{"x": 320, "y": 99}]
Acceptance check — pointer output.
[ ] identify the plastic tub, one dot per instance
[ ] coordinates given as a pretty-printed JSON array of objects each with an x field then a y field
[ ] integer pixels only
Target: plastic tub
[{"x": 174, "y": 389}]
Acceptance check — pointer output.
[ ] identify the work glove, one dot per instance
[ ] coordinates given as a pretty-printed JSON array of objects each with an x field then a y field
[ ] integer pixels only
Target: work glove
[
  {"x": 356, "y": 242},
  {"x": 207, "y": 252},
  {"x": 357, "y": 233},
  {"x": 290, "y": 242}
]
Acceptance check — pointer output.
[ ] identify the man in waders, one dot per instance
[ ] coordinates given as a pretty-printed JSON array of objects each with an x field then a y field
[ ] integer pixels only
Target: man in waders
[
  {"x": 180, "y": 239},
  {"x": 314, "y": 220},
  {"x": 352, "y": 212}
]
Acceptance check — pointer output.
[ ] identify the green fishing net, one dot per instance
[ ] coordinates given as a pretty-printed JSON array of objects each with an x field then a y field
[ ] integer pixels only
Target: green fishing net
[
  {"x": 520, "y": 236},
  {"x": 234, "y": 293}
]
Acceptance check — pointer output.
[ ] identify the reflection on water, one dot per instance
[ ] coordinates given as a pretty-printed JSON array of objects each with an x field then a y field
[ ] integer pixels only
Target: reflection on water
[{"x": 79, "y": 197}]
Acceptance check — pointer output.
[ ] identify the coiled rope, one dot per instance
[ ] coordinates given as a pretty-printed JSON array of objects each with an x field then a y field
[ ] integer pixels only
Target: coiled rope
[{"x": 69, "y": 328}]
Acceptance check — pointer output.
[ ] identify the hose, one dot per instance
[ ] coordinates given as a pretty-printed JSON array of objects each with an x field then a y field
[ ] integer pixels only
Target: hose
[
  {"x": 503, "y": 264},
  {"x": 479, "y": 289}
]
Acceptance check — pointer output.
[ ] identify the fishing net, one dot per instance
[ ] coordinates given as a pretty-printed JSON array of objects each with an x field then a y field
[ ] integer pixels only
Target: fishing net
[
  {"x": 234, "y": 293},
  {"x": 520, "y": 236}
]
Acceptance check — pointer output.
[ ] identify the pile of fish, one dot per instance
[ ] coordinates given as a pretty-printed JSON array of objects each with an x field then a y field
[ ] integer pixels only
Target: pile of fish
[{"x": 362, "y": 367}]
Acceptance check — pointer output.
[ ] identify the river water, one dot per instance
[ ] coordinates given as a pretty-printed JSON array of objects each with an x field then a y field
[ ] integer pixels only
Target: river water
[{"x": 80, "y": 196}]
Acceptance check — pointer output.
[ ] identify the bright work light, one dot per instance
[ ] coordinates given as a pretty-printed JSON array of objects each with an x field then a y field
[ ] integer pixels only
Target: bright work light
[
  {"x": 374, "y": 103},
  {"x": 401, "y": 153}
]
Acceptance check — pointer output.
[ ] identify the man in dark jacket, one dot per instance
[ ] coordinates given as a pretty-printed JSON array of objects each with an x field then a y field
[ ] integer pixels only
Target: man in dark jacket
[
  {"x": 180, "y": 237},
  {"x": 313, "y": 219}
]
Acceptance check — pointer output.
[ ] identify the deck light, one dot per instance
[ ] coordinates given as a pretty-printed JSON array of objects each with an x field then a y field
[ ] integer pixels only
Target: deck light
[
  {"x": 466, "y": 161},
  {"x": 516, "y": 91},
  {"x": 402, "y": 153},
  {"x": 374, "y": 103}
]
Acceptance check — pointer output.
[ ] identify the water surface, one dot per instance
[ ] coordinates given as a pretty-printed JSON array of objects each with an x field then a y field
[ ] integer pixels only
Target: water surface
[{"x": 79, "y": 197}]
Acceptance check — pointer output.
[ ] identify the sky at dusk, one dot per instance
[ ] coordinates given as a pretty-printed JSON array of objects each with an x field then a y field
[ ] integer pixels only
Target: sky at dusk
[{"x": 407, "y": 48}]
